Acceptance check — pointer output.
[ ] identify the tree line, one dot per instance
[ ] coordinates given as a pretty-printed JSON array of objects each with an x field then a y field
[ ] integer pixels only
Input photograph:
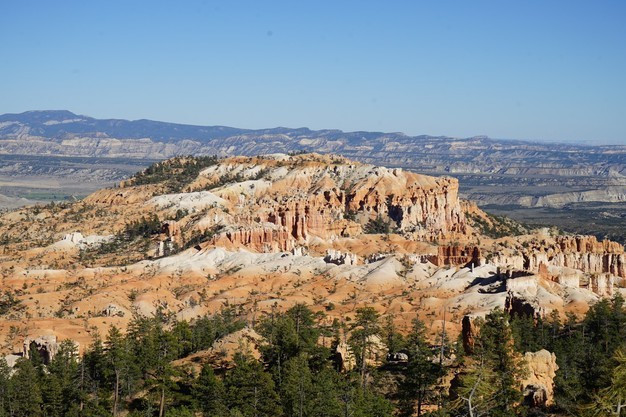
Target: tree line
[{"x": 300, "y": 374}]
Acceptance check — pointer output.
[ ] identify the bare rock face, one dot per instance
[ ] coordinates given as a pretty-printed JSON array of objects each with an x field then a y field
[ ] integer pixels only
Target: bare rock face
[
  {"x": 46, "y": 346},
  {"x": 602, "y": 284},
  {"x": 266, "y": 238},
  {"x": 74, "y": 238},
  {"x": 587, "y": 244},
  {"x": 538, "y": 386},
  {"x": 518, "y": 305},
  {"x": 469, "y": 332},
  {"x": 339, "y": 258},
  {"x": 171, "y": 229},
  {"x": 164, "y": 248},
  {"x": 526, "y": 285},
  {"x": 571, "y": 261},
  {"x": 345, "y": 356},
  {"x": 585, "y": 253},
  {"x": 315, "y": 196},
  {"x": 456, "y": 255},
  {"x": 376, "y": 354},
  {"x": 568, "y": 280},
  {"x": 12, "y": 360},
  {"x": 112, "y": 310}
]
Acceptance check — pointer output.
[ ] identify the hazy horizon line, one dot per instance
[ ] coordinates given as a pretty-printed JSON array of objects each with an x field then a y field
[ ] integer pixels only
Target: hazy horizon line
[{"x": 578, "y": 142}]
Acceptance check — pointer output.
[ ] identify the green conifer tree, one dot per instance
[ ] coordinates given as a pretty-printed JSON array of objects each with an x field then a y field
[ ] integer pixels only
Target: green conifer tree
[
  {"x": 250, "y": 390},
  {"x": 365, "y": 327},
  {"x": 5, "y": 381},
  {"x": 421, "y": 372},
  {"x": 326, "y": 401},
  {"x": 498, "y": 369},
  {"x": 24, "y": 391},
  {"x": 52, "y": 396},
  {"x": 297, "y": 387},
  {"x": 117, "y": 358},
  {"x": 209, "y": 393},
  {"x": 611, "y": 401}
]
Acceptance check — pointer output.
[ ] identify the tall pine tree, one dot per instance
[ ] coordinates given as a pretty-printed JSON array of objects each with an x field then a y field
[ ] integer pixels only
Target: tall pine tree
[{"x": 420, "y": 374}]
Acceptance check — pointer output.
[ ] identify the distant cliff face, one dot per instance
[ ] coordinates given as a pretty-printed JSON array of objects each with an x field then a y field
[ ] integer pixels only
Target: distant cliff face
[
  {"x": 583, "y": 253},
  {"x": 308, "y": 196},
  {"x": 616, "y": 194}
]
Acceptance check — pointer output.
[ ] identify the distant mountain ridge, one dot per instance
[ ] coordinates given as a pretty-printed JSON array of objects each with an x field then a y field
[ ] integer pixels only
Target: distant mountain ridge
[
  {"x": 577, "y": 187},
  {"x": 58, "y": 124},
  {"x": 62, "y": 124},
  {"x": 63, "y": 133}
]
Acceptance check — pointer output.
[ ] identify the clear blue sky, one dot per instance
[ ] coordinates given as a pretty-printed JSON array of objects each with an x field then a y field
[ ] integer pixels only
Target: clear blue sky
[{"x": 546, "y": 70}]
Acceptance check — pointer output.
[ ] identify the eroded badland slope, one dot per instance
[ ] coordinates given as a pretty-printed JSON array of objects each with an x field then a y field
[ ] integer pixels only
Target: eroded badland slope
[{"x": 194, "y": 235}]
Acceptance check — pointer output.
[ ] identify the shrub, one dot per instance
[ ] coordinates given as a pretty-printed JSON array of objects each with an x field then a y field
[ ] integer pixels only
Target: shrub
[{"x": 378, "y": 226}]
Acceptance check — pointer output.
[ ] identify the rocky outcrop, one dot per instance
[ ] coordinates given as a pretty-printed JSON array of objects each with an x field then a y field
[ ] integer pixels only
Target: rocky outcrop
[
  {"x": 12, "y": 359},
  {"x": 73, "y": 238},
  {"x": 517, "y": 305},
  {"x": 299, "y": 251},
  {"x": 169, "y": 239},
  {"x": 46, "y": 346},
  {"x": 587, "y": 254},
  {"x": 375, "y": 257},
  {"x": 602, "y": 284},
  {"x": 526, "y": 285},
  {"x": 584, "y": 253},
  {"x": 113, "y": 310},
  {"x": 171, "y": 229},
  {"x": 76, "y": 240},
  {"x": 376, "y": 354},
  {"x": 568, "y": 280},
  {"x": 456, "y": 255},
  {"x": 397, "y": 357},
  {"x": 338, "y": 258},
  {"x": 469, "y": 331},
  {"x": 587, "y": 244},
  {"x": 164, "y": 248},
  {"x": 322, "y": 196},
  {"x": 268, "y": 238},
  {"x": 306, "y": 219},
  {"x": 345, "y": 357},
  {"x": 432, "y": 209},
  {"x": 538, "y": 386},
  {"x": 505, "y": 260},
  {"x": 598, "y": 263}
]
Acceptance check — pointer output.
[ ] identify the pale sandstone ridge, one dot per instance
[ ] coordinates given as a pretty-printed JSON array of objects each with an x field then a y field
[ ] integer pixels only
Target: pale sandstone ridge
[
  {"x": 314, "y": 196},
  {"x": 121, "y": 196},
  {"x": 584, "y": 253},
  {"x": 615, "y": 194}
]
